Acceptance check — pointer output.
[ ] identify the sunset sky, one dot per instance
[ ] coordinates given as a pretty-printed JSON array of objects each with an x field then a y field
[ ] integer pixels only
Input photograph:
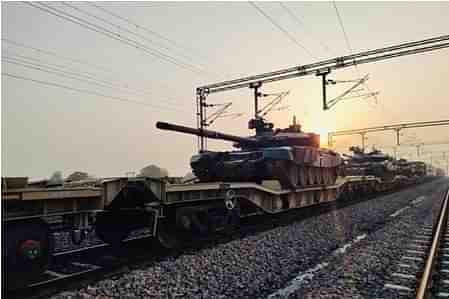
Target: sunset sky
[{"x": 107, "y": 127}]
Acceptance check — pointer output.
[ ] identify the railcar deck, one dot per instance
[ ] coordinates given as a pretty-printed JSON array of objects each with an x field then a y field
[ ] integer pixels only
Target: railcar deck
[{"x": 268, "y": 196}]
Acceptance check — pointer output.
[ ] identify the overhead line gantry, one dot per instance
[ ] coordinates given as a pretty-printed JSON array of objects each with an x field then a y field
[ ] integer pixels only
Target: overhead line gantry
[
  {"x": 321, "y": 68},
  {"x": 397, "y": 128}
]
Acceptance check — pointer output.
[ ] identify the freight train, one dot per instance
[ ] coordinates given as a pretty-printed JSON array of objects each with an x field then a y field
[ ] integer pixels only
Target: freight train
[{"x": 173, "y": 213}]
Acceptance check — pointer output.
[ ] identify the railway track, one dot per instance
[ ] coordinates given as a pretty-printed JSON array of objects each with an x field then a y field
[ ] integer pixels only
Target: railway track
[
  {"x": 75, "y": 268},
  {"x": 79, "y": 267},
  {"x": 423, "y": 270}
]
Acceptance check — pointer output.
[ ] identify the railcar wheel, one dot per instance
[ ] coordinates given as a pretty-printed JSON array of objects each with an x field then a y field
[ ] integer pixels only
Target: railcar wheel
[
  {"x": 110, "y": 228},
  {"x": 167, "y": 236},
  {"x": 287, "y": 175},
  {"x": 28, "y": 250},
  {"x": 232, "y": 221}
]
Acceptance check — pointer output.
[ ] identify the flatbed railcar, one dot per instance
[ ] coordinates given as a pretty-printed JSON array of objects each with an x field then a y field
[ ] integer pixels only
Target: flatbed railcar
[
  {"x": 188, "y": 210},
  {"x": 170, "y": 212}
]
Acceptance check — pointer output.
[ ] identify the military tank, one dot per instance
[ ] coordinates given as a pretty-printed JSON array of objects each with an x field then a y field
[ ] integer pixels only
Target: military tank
[
  {"x": 410, "y": 168},
  {"x": 374, "y": 163},
  {"x": 288, "y": 155}
]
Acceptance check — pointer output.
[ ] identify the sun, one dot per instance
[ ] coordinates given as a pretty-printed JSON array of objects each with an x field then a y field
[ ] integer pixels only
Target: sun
[{"x": 323, "y": 132}]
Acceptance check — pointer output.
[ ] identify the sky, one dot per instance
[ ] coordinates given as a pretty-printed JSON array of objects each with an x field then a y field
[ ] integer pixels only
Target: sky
[{"x": 95, "y": 100}]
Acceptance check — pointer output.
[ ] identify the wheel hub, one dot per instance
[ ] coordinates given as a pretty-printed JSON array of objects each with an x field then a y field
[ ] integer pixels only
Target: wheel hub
[{"x": 30, "y": 249}]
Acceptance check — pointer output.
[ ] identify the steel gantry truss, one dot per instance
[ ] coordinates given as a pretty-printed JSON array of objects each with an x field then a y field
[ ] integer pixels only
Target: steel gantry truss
[
  {"x": 419, "y": 145},
  {"x": 321, "y": 68},
  {"x": 397, "y": 128}
]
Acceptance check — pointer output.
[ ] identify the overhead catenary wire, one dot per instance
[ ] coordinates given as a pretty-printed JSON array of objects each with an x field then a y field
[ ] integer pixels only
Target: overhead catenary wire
[
  {"x": 34, "y": 60},
  {"x": 284, "y": 31},
  {"x": 404, "y": 49},
  {"x": 122, "y": 28},
  {"x": 114, "y": 35},
  {"x": 301, "y": 23},
  {"x": 345, "y": 35},
  {"x": 342, "y": 28},
  {"x": 121, "y": 38},
  {"x": 149, "y": 31},
  {"x": 57, "y": 55},
  {"x": 88, "y": 78},
  {"x": 86, "y": 91},
  {"x": 64, "y": 74},
  {"x": 51, "y": 53},
  {"x": 348, "y": 44}
]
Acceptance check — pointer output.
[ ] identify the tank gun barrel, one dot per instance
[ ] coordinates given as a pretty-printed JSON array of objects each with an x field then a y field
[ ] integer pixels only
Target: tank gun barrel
[{"x": 205, "y": 133}]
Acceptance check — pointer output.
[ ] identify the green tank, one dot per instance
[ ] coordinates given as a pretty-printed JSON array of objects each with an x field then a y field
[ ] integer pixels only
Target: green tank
[{"x": 288, "y": 155}]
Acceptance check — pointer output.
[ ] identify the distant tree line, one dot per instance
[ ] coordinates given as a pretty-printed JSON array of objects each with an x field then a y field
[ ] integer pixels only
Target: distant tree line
[{"x": 151, "y": 171}]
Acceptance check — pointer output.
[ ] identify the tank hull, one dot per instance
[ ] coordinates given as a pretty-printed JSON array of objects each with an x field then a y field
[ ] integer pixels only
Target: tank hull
[
  {"x": 383, "y": 170},
  {"x": 292, "y": 166}
]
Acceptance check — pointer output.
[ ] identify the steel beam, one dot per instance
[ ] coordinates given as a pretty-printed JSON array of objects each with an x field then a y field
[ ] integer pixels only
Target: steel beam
[{"x": 395, "y": 127}]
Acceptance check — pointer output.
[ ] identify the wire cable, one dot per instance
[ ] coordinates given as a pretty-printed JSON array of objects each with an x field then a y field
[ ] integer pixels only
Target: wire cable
[
  {"x": 286, "y": 33},
  {"x": 56, "y": 67},
  {"x": 152, "y": 32},
  {"x": 54, "y": 54},
  {"x": 113, "y": 35},
  {"x": 118, "y": 27},
  {"x": 76, "y": 76},
  {"x": 342, "y": 28},
  {"x": 348, "y": 44},
  {"x": 85, "y": 91},
  {"x": 47, "y": 52},
  {"x": 301, "y": 23}
]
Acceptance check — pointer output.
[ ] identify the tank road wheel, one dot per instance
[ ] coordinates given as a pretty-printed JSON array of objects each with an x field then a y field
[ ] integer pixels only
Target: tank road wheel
[
  {"x": 293, "y": 174},
  {"x": 327, "y": 176},
  {"x": 332, "y": 176},
  {"x": 319, "y": 175},
  {"x": 311, "y": 176},
  {"x": 324, "y": 173},
  {"x": 288, "y": 175},
  {"x": 302, "y": 173},
  {"x": 27, "y": 253}
]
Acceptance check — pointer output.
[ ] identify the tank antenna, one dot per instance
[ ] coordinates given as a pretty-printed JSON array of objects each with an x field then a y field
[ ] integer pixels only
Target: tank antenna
[{"x": 257, "y": 94}]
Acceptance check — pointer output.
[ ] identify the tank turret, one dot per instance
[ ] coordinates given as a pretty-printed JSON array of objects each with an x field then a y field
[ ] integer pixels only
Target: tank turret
[
  {"x": 265, "y": 136},
  {"x": 370, "y": 163}
]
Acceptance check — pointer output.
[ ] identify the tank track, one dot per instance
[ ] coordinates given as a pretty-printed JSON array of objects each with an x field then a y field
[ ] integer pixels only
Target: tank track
[
  {"x": 289, "y": 174},
  {"x": 292, "y": 175}
]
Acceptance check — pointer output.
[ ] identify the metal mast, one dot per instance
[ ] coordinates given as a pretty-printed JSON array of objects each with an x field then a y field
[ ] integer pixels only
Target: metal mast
[{"x": 321, "y": 68}]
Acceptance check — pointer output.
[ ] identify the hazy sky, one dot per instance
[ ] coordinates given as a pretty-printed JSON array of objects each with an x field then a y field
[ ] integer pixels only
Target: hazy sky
[{"x": 47, "y": 128}]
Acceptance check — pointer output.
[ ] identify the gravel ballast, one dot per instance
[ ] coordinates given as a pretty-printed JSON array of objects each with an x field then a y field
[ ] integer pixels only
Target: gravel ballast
[
  {"x": 261, "y": 264},
  {"x": 367, "y": 266}
]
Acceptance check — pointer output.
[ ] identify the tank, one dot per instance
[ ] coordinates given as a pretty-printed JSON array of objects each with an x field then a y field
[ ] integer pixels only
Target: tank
[
  {"x": 288, "y": 155},
  {"x": 373, "y": 163},
  {"x": 410, "y": 168}
]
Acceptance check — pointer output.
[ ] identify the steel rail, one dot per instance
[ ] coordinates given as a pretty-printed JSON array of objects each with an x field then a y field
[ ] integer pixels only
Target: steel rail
[
  {"x": 409, "y": 125},
  {"x": 426, "y": 280}
]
